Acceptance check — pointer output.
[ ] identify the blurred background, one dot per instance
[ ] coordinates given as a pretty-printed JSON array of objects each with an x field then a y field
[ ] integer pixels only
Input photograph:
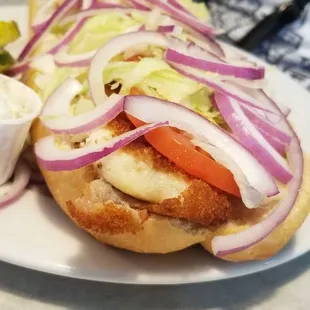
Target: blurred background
[{"x": 277, "y": 31}]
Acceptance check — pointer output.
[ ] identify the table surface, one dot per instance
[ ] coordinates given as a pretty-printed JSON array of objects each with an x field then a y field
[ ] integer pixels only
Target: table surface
[{"x": 284, "y": 287}]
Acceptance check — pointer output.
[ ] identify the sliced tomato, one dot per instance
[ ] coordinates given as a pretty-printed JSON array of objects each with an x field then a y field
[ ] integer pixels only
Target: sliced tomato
[{"x": 177, "y": 147}]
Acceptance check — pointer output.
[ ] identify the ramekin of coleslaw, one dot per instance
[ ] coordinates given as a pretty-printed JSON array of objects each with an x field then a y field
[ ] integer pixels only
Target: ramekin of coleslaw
[{"x": 19, "y": 106}]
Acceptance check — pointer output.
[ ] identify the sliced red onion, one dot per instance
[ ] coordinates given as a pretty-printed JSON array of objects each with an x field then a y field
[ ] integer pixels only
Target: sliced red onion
[
  {"x": 113, "y": 48},
  {"x": 53, "y": 158},
  {"x": 63, "y": 59},
  {"x": 58, "y": 105},
  {"x": 285, "y": 110},
  {"x": 185, "y": 18},
  {"x": 229, "y": 244},
  {"x": 210, "y": 63},
  {"x": 179, "y": 6},
  {"x": 86, "y": 4},
  {"x": 18, "y": 68},
  {"x": 264, "y": 126},
  {"x": 105, "y": 5},
  {"x": 250, "y": 196},
  {"x": 277, "y": 138},
  {"x": 94, "y": 12},
  {"x": 139, "y": 5},
  {"x": 43, "y": 16},
  {"x": 166, "y": 29},
  {"x": 254, "y": 84},
  {"x": 150, "y": 110},
  {"x": 252, "y": 139},
  {"x": 62, "y": 10},
  {"x": 264, "y": 100},
  {"x": 222, "y": 87},
  {"x": 70, "y": 35},
  {"x": 209, "y": 44},
  {"x": 278, "y": 145},
  {"x": 21, "y": 179}
]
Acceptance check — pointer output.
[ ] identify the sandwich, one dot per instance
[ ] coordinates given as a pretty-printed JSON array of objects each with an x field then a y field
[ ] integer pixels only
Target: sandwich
[{"x": 156, "y": 137}]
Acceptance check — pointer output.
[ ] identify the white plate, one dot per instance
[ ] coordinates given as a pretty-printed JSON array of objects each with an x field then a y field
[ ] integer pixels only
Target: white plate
[{"x": 36, "y": 234}]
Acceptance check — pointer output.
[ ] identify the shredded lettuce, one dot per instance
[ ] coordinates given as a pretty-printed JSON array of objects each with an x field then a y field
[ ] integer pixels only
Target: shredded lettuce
[
  {"x": 200, "y": 102},
  {"x": 155, "y": 78},
  {"x": 99, "y": 30},
  {"x": 152, "y": 75}
]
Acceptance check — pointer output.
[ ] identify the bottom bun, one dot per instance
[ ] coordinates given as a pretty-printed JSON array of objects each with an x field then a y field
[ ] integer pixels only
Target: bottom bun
[
  {"x": 115, "y": 223},
  {"x": 279, "y": 238}
]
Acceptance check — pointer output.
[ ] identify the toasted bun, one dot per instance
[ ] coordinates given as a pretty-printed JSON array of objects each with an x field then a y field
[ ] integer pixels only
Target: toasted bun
[{"x": 111, "y": 217}]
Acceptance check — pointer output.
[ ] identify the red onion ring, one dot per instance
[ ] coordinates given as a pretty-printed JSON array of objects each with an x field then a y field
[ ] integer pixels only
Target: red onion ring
[
  {"x": 70, "y": 35},
  {"x": 278, "y": 145},
  {"x": 221, "y": 87},
  {"x": 18, "y": 68},
  {"x": 94, "y": 12},
  {"x": 114, "y": 47},
  {"x": 63, "y": 59},
  {"x": 229, "y": 244},
  {"x": 20, "y": 181},
  {"x": 62, "y": 10},
  {"x": 95, "y": 4},
  {"x": 252, "y": 139},
  {"x": 265, "y": 101},
  {"x": 185, "y": 18},
  {"x": 264, "y": 126},
  {"x": 39, "y": 25},
  {"x": 165, "y": 29},
  {"x": 150, "y": 110},
  {"x": 58, "y": 104},
  {"x": 139, "y": 5},
  {"x": 209, "y": 44},
  {"x": 179, "y": 6},
  {"x": 207, "y": 62},
  {"x": 53, "y": 158}
]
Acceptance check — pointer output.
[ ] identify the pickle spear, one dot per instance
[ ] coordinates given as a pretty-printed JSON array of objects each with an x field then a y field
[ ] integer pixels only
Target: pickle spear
[{"x": 9, "y": 32}]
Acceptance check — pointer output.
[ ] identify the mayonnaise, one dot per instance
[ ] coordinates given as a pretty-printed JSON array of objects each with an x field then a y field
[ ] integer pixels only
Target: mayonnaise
[{"x": 19, "y": 106}]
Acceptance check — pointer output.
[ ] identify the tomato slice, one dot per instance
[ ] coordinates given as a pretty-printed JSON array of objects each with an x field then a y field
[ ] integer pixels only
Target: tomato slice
[{"x": 177, "y": 147}]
